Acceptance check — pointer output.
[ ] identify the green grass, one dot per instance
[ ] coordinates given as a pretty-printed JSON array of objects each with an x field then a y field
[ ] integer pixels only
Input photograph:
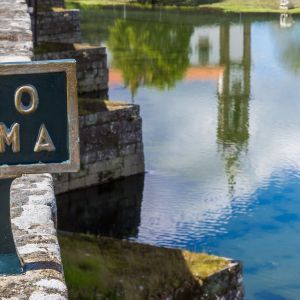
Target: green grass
[
  {"x": 85, "y": 3},
  {"x": 252, "y": 6},
  {"x": 103, "y": 268},
  {"x": 227, "y": 6}
]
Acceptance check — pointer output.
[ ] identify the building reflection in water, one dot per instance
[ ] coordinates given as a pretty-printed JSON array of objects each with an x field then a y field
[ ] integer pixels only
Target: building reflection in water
[
  {"x": 233, "y": 100},
  {"x": 225, "y": 49},
  {"x": 286, "y": 21},
  {"x": 111, "y": 209}
]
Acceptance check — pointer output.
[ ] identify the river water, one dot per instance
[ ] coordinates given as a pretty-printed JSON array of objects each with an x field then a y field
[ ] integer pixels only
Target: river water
[{"x": 220, "y": 102}]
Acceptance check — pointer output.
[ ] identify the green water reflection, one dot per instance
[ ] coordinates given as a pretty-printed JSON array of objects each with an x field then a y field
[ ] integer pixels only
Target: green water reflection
[{"x": 150, "y": 54}]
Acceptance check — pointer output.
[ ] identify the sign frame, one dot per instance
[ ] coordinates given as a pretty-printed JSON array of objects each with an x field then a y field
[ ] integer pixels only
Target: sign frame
[{"x": 68, "y": 66}]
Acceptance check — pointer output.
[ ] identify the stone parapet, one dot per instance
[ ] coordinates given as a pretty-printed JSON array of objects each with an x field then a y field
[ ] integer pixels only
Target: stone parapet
[
  {"x": 68, "y": 30},
  {"x": 33, "y": 218},
  {"x": 92, "y": 71}
]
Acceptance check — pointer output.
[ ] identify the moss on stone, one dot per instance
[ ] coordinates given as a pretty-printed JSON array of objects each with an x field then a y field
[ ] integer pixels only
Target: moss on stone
[{"x": 113, "y": 269}]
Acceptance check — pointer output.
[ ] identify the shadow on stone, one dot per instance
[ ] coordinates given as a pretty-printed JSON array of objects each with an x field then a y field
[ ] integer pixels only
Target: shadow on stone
[{"x": 43, "y": 265}]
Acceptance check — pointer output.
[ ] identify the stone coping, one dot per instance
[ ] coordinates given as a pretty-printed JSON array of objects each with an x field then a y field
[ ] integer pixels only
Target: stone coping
[
  {"x": 33, "y": 218},
  {"x": 15, "y": 31}
]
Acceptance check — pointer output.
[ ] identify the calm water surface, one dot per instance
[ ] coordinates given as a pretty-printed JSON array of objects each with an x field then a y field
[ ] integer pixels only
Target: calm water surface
[{"x": 220, "y": 101}]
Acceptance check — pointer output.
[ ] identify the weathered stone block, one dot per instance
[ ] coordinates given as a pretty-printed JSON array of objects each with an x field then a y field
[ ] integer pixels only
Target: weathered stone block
[
  {"x": 92, "y": 179},
  {"x": 82, "y": 173},
  {"x": 133, "y": 164},
  {"x": 128, "y": 149},
  {"x": 110, "y": 146},
  {"x": 89, "y": 158},
  {"x": 114, "y": 164},
  {"x": 92, "y": 72},
  {"x": 107, "y": 154},
  {"x": 48, "y": 4},
  {"x": 61, "y": 188},
  {"x": 62, "y": 177},
  {"x": 97, "y": 167},
  {"x": 91, "y": 119},
  {"x": 131, "y": 137},
  {"x": 67, "y": 32},
  {"x": 76, "y": 183}
]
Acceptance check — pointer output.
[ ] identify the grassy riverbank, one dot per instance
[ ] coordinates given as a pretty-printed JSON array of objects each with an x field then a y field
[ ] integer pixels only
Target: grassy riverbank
[
  {"x": 227, "y": 6},
  {"x": 103, "y": 268}
]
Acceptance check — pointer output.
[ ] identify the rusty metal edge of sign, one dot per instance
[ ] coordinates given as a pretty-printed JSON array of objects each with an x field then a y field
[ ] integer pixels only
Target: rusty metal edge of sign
[{"x": 69, "y": 67}]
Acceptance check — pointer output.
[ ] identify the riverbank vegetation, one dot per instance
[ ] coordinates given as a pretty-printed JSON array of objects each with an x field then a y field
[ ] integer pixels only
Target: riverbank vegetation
[{"x": 228, "y": 6}]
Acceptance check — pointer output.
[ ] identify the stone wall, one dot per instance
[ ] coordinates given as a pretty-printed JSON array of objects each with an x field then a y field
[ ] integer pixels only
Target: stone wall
[
  {"x": 46, "y": 4},
  {"x": 111, "y": 147},
  {"x": 92, "y": 71},
  {"x": 60, "y": 42},
  {"x": 60, "y": 26}
]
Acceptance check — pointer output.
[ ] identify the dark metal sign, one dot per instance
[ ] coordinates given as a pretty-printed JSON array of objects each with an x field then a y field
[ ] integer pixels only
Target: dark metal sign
[{"x": 38, "y": 117}]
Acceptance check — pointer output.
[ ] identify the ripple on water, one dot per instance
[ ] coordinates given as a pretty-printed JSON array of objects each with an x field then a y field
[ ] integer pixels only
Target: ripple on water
[{"x": 223, "y": 160}]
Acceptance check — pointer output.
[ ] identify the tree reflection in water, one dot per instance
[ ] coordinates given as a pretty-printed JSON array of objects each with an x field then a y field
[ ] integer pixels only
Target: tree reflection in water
[{"x": 150, "y": 54}]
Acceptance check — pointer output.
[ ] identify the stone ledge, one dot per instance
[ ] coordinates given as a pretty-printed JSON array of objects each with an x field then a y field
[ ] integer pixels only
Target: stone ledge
[
  {"x": 33, "y": 218},
  {"x": 123, "y": 270}
]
